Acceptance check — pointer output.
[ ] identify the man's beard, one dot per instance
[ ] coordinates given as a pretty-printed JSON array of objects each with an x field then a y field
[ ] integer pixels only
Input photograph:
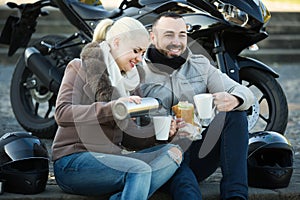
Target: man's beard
[
  {"x": 166, "y": 51},
  {"x": 159, "y": 58},
  {"x": 171, "y": 54}
]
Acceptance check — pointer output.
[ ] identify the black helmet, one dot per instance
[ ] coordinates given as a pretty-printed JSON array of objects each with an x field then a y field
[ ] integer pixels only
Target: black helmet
[
  {"x": 24, "y": 163},
  {"x": 270, "y": 160}
]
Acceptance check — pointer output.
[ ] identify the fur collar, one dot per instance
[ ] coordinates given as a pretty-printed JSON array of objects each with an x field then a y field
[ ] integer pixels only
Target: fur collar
[{"x": 96, "y": 72}]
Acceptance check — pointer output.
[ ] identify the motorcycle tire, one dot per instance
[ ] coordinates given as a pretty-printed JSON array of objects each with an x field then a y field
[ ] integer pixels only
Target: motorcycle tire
[
  {"x": 32, "y": 103},
  {"x": 272, "y": 110}
]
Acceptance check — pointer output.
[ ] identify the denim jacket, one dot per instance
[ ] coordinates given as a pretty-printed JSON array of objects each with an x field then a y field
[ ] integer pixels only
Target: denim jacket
[{"x": 195, "y": 76}]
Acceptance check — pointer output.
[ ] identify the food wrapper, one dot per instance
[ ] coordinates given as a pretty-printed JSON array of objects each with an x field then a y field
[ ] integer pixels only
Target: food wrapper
[{"x": 193, "y": 132}]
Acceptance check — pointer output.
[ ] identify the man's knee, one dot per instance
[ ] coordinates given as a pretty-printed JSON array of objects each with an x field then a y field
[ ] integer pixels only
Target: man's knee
[{"x": 237, "y": 116}]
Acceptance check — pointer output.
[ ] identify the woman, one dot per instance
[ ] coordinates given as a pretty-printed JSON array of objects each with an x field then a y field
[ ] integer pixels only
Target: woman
[{"x": 87, "y": 151}]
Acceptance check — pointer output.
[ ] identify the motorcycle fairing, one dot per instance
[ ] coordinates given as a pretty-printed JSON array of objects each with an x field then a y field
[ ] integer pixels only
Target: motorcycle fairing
[
  {"x": 207, "y": 6},
  {"x": 201, "y": 22},
  {"x": 160, "y": 6},
  {"x": 90, "y": 12},
  {"x": 149, "y": 2},
  {"x": 236, "y": 41},
  {"x": 250, "y": 6}
]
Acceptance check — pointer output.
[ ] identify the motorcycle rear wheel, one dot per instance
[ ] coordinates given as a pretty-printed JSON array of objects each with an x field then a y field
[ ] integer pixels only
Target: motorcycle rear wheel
[
  {"x": 32, "y": 103},
  {"x": 271, "y": 110}
]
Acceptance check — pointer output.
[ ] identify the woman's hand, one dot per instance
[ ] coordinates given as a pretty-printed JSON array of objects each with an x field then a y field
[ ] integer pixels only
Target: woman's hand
[{"x": 135, "y": 99}]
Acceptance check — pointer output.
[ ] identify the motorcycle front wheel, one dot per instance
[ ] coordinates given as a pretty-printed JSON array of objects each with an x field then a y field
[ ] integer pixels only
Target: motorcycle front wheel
[
  {"x": 32, "y": 103},
  {"x": 270, "y": 111}
]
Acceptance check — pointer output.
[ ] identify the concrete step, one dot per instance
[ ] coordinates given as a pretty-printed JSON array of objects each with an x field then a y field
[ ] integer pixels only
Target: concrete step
[
  {"x": 270, "y": 56},
  {"x": 281, "y": 41},
  {"x": 284, "y": 23},
  {"x": 210, "y": 191},
  {"x": 285, "y": 17},
  {"x": 291, "y": 28}
]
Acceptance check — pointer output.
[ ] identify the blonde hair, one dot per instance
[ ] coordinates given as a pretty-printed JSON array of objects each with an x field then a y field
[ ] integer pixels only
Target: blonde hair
[{"x": 108, "y": 29}]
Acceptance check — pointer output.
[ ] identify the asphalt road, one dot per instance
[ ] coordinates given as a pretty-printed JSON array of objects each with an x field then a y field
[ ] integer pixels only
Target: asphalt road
[{"x": 289, "y": 80}]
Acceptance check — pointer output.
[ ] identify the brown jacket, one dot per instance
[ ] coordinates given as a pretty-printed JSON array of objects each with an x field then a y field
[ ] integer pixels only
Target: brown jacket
[{"x": 83, "y": 109}]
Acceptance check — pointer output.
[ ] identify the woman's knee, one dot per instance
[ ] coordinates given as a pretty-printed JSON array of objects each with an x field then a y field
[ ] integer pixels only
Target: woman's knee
[{"x": 140, "y": 166}]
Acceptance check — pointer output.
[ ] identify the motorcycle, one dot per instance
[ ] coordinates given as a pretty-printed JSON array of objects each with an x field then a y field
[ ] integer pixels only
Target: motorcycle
[{"x": 221, "y": 28}]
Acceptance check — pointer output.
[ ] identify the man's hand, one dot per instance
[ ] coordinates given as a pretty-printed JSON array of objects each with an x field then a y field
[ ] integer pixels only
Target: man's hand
[
  {"x": 175, "y": 125},
  {"x": 225, "y": 102}
]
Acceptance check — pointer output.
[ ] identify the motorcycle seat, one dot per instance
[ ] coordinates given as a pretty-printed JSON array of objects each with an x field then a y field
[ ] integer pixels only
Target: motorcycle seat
[{"x": 90, "y": 12}]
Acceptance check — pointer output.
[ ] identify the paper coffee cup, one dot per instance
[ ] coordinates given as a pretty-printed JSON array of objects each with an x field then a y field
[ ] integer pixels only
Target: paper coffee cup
[
  {"x": 162, "y": 127},
  {"x": 204, "y": 105}
]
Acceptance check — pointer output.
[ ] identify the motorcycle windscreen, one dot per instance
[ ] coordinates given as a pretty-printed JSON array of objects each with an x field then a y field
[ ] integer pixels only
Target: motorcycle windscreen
[{"x": 22, "y": 149}]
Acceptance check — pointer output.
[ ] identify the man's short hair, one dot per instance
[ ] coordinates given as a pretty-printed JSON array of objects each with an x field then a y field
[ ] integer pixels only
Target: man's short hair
[{"x": 166, "y": 14}]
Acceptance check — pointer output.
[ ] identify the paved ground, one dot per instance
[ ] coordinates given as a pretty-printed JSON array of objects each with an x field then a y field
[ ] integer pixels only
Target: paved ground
[{"x": 289, "y": 79}]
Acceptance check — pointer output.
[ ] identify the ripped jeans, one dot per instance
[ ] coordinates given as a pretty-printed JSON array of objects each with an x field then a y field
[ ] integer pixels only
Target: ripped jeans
[{"x": 132, "y": 176}]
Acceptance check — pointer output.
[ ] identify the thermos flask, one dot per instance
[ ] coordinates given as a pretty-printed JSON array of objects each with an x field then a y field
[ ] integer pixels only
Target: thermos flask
[{"x": 122, "y": 110}]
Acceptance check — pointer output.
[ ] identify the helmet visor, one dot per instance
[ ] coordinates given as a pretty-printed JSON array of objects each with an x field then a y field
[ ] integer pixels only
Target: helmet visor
[{"x": 25, "y": 148}]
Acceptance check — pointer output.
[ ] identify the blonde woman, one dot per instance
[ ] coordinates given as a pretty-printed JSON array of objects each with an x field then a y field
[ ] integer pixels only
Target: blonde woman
[{"x": 88, "y": 155}]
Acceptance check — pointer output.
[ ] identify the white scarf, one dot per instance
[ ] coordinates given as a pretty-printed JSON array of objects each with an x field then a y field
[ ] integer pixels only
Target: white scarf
[{"x": 123, "y": 83}]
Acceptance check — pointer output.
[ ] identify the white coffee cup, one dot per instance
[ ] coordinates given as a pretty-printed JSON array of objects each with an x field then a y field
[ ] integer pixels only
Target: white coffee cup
[
  {"x": 204, "y": 105},
  {"x": 162, "y": 127}
]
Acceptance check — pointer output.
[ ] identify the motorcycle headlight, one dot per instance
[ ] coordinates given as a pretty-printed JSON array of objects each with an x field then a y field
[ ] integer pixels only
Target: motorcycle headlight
[{"x": 232, "y": 14}]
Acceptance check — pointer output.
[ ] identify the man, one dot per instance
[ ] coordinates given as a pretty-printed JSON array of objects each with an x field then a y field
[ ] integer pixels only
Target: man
[{"x": 172, "y": 74}]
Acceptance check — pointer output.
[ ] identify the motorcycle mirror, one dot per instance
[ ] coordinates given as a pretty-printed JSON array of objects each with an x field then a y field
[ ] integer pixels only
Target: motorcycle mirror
[{"x": 189, "y": 27}]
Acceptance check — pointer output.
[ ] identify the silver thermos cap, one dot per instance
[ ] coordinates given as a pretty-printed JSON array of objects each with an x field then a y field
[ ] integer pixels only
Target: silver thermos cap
[{"x": 122, "y": 110}]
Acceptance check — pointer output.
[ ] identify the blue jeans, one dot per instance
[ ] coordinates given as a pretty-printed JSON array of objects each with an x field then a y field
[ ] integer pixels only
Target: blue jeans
[
  {"x": 230, "y": 153},
  {"x": 183, "y": 185},
  {"x": 132, "y": 176}
]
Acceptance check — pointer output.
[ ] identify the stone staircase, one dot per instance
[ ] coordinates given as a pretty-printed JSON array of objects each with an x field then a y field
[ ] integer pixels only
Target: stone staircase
[{"x": 282, "y": 45}]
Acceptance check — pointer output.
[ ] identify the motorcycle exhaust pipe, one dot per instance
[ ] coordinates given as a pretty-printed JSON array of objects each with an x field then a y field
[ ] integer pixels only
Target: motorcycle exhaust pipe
[{"x": 43, "y": 69}]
